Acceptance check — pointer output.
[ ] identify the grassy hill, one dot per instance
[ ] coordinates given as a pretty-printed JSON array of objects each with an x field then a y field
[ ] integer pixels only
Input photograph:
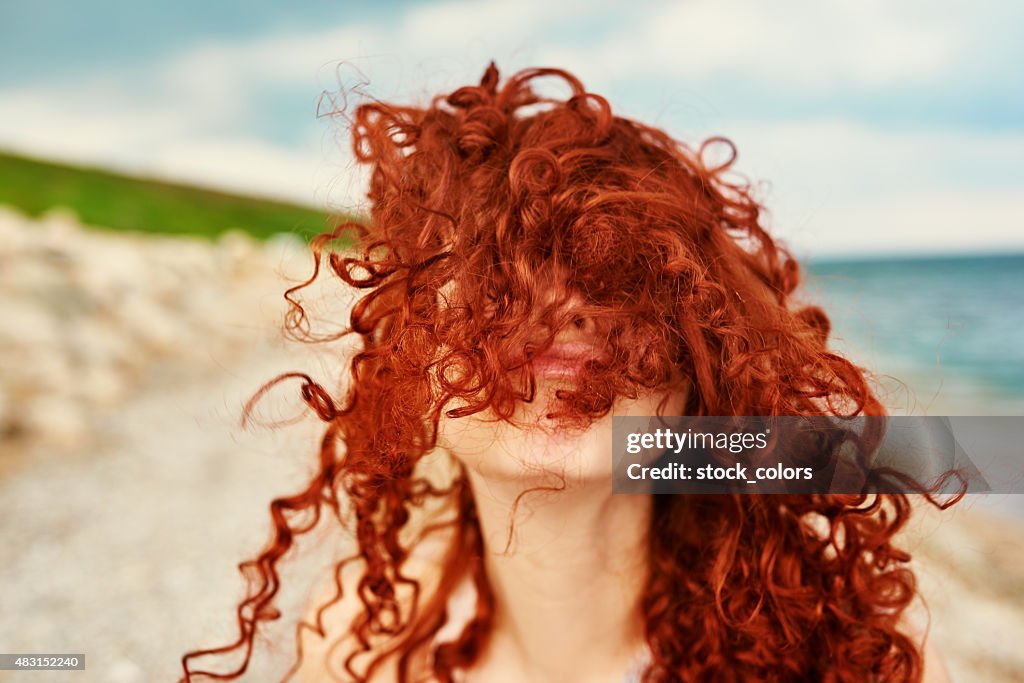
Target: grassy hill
[{"x": 120, "y": 202}]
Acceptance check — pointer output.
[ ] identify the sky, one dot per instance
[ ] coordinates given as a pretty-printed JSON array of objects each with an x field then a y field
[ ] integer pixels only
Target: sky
[{"x": 868, "y": 127}]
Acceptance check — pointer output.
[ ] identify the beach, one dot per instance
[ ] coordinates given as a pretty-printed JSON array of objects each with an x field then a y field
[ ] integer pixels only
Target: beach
[{"x": 130, "y": 490}]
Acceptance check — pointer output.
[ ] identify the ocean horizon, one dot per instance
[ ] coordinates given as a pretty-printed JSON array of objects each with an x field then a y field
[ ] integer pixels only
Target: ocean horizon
[{"x": 949, "y": 327}]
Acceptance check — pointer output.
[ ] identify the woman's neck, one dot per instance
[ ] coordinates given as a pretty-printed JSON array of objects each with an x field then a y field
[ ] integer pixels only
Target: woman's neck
[{"x": 567, "y": 574}]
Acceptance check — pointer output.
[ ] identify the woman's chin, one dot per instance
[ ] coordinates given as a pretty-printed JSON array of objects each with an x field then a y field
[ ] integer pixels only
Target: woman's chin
[
  {"x": 539, "y": 454},
  {"x": 538, "y": 450}
]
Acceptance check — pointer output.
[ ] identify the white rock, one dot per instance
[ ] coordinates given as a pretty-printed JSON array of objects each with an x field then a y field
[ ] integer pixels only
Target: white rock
[
  {"x": 25, "y": 323},
  {"x": 152, "y": 328},
  {"x": 54, "y": 420},
  {"x": 124, "y": 671},
  {"x": 235, "y": 247},
  {"x": 101, "y": 385},
  {"x": 98, "y": 339}
]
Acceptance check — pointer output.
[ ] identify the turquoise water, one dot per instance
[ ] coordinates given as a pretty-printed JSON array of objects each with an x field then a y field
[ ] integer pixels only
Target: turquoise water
[{"x": 951, "y": 328}]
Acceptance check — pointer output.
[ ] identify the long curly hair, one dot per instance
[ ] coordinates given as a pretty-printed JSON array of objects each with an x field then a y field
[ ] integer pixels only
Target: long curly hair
[{"x": 476, "y": 200}]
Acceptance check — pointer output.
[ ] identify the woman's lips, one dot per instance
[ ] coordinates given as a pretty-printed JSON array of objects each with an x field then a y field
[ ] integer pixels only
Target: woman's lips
[{"x": 564, "y": 359}]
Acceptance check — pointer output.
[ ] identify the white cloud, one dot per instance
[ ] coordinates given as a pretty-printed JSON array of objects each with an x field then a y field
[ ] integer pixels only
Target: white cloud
[
  {"x": 95, "y": 122},
  {"x": 455, "y": 20},
  {"x": 792, "y": 43},
  {"x": 923, "y": 222},
  {"x": 242, "y": 165},
  {"x": 286, "y": 59},
  {"x": 834, "y": 185}
]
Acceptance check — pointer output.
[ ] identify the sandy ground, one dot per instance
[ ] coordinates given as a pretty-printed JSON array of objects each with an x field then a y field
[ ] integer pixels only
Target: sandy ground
[{"x": 128, "y": 491}]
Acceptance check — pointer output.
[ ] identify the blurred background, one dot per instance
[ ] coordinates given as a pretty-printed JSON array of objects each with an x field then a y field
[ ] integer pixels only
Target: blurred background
[{"x": 162, "y": 164}]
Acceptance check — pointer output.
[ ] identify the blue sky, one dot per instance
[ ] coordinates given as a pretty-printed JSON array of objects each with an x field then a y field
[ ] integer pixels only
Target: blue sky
[{"x": 872, "y": 126}]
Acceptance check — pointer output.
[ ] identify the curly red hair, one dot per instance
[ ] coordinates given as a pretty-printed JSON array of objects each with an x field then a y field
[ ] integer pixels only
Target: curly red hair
[{"x": 476, "y": 199}]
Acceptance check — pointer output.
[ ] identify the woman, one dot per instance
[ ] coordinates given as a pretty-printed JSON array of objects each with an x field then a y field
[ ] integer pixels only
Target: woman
[{"x": 533, "y": 267}]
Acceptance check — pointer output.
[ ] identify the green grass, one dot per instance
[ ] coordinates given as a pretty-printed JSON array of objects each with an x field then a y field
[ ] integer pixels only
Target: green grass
[{"x": 119, "y": 202}]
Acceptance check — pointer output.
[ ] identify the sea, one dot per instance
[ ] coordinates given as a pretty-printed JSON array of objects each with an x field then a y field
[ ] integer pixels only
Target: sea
[{"x": 950, "y": 328}]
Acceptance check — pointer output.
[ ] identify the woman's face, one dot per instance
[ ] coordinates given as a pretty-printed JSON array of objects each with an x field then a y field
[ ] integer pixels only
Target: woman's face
[{"x": 534, "y": 448}]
